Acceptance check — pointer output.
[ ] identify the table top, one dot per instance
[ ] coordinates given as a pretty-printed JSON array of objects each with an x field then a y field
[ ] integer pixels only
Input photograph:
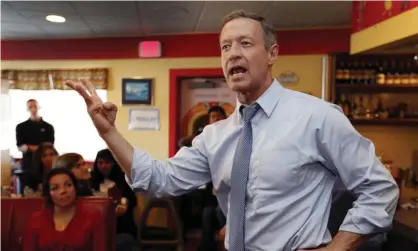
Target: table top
[{"x": 405, "y": 222}]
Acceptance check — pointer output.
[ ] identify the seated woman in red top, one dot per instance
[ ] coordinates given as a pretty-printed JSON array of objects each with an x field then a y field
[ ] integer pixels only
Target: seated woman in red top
[{"x": 64, "y": 224}]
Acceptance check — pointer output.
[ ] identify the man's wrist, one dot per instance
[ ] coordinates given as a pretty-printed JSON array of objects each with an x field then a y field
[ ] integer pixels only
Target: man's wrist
[
  {"x": 332, "y": 247},
  {"x": 346, "y": 241},
  {"x": 109, "y": 134}
]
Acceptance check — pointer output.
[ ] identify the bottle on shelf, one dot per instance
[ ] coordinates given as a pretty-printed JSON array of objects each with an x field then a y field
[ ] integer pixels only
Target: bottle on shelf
[
  {"x": 381, "y": 112},
  {"x": 339, "y": 73},
  {"x": 338, "y": 101},
  {"x": 344, "y": 104},
  {"x": 413, "y": 77},
  {"x": 397, "y": 73},
  {"x": 360, "y": 111},
  {"x": 390, "y": 73},
  {"x": 406, "y": 73},
  {"x": 353, "y": 106},
  {"x": 410, "y": 109},
  {"x": 381, "y": 74},
  {"x": 347, "y": 107},
  {"x": 369, "y": 108},
  {"x": 354, "y": 73},
  {"x": 346, "y": 73},
  {"x": 362, "y": 74},
  {"x": 370, "y": 73},
  {"x": 410, "y": 175}
]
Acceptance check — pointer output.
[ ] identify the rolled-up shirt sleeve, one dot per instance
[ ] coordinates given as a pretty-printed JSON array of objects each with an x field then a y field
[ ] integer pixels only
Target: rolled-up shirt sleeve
[
  {"x": 187, "y": 170},
  {"x": 352, "y": 157}
]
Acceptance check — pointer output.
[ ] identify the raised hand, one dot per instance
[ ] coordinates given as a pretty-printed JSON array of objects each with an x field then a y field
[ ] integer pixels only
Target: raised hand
[{"x": 102, "y": 114}]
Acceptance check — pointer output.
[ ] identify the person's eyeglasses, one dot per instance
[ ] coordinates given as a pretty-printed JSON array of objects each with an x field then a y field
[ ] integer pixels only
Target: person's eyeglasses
[{"x": 81, "y": 164}]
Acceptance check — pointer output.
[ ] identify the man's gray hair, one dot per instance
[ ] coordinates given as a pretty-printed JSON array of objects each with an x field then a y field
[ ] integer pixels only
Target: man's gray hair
[{"x": 269, "y": 33}]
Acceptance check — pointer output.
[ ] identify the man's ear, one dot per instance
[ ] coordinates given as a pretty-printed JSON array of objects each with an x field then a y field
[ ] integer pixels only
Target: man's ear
[{"x": 273, "y": 53}]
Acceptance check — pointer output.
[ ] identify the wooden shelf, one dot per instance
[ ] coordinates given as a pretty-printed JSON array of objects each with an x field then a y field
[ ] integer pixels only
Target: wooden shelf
[
  {"x": 387, "y": 122},
  {"x": 376, "y": 88}
]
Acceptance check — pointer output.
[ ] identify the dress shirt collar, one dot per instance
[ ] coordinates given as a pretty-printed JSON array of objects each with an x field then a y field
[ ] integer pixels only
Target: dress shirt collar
[{"x": 267, "y": 101}]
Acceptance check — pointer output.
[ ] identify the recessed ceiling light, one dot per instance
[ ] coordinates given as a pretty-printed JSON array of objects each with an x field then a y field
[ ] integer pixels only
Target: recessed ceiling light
[
  {"x": 55, "y": 19},
  {"x": 416, "y": 57}
]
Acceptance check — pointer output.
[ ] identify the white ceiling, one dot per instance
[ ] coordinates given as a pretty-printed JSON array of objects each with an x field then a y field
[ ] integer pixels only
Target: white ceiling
[{"x": 26, "y": 19}]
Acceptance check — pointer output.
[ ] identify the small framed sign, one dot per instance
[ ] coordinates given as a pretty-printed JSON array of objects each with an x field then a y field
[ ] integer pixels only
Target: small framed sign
[
  {"x": 137, "y": 91},
  {"x": 144, "y": 119},
  {"x": 288, "y": 77}
]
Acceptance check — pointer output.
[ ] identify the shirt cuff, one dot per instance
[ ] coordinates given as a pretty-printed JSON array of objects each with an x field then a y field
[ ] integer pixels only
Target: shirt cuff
[
  {"x": 141, "y": 171},
  {"x": 366, "y": 222}
]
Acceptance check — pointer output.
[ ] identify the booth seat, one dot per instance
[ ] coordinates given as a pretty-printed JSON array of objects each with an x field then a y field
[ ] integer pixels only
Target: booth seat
[{"x": 15, "y": 213}]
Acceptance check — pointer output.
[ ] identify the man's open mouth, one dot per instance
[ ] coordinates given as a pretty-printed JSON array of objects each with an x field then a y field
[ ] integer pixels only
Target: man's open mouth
[{"x": 236, "y": 70}]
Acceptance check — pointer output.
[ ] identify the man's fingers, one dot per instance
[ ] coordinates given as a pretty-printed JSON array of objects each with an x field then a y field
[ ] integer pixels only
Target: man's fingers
[
  {"x": 94, "y": 108},
  {"x": 89, "y": 86},
  {"x": 78, "y": 87},
  {"x": 70, "y": 84},
  {"x": 110, "y": 106}
]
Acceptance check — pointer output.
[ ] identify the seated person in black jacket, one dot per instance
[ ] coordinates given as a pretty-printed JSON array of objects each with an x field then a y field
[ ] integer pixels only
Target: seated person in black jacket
[
  {"x": 213, "y": 220},
  {"x": 107, "y": 176}
]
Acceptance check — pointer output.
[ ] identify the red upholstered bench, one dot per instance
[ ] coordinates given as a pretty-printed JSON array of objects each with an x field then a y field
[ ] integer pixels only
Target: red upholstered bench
[
  {"x": 6, "y": 224},
  {"x": 107, "y": 207}
]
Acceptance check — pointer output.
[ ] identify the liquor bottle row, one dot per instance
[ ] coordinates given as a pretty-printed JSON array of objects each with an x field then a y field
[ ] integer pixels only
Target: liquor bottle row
[
  {"x": 385, "y": 71},
  {"x": 367, "y": 106}
]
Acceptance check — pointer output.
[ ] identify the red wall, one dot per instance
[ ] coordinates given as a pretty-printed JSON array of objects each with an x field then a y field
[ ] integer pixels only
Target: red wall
[
  {"x": 320, "y": 41},
  {"x": 368, "y": 13}
]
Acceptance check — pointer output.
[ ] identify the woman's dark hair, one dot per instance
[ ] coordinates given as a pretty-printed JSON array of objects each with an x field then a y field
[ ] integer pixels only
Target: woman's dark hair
[
  {"x": 37, "y": 159},
  {"x": 46, "y": 187},
  {"x": 218, "y": 109},
  {"x": 116, "y": 173},
  {"x": 68, "y": 160}
]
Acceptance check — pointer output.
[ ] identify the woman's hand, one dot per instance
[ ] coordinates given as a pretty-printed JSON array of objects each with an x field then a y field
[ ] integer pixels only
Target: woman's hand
[{"x": 121, "y": 209}]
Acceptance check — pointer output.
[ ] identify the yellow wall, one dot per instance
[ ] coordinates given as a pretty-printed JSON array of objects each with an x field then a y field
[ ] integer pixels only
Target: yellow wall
[
  {"x": 399, "y": 143},
  {"x": 156, "y": 142},
  {"x": 307, "y": 67}
]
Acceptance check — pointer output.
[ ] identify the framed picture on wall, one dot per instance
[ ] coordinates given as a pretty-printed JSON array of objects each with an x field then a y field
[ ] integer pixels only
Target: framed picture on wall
[{"x": 137, "y": 91}]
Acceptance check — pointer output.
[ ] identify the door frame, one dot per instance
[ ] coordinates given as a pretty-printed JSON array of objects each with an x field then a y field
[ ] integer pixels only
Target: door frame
[{"x": 175, "y": 97}]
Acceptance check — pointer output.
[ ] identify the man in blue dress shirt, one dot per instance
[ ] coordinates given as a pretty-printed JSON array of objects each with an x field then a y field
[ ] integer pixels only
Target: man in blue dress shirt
[{"x": 300, "y": 146}]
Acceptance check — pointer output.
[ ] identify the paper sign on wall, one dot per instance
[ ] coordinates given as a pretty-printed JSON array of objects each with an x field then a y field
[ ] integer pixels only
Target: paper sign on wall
[
  {"x": 144, "y": 119},
  {"x": 288, "y": 77}
]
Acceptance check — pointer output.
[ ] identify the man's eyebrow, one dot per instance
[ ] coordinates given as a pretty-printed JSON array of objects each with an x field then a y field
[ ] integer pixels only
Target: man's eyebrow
[{"x": 239, "y": 38}]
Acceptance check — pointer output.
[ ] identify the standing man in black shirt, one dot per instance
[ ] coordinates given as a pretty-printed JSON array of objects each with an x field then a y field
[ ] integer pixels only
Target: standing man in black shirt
[{"x": 29, "y": 135}]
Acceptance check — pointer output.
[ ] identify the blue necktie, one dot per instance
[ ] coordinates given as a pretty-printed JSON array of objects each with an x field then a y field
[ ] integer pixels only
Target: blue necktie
[{"x": 239, "y": 178}]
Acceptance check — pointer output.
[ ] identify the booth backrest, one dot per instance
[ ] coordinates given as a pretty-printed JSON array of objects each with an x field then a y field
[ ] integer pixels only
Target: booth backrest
[
  {"x": 6, "y": 224},
  {"x": 22, "y": 211},
  {"x": 107, "y": 207},
  {"x": 15, "y": 214}
]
